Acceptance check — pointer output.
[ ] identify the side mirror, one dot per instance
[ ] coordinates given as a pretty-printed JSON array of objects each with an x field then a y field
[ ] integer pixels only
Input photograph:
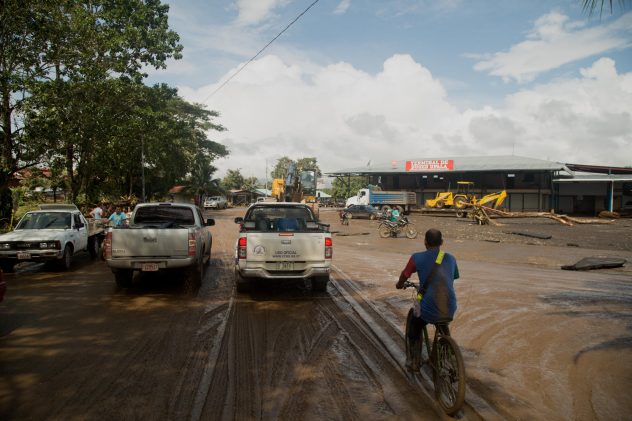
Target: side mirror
[
  {"x": 239, "y": 220},
  {"x": 210, "y": 222}
]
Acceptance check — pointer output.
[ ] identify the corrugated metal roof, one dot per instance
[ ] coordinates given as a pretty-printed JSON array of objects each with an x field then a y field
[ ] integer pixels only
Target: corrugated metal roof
[
  {"x": 586, "y": 178},
  {"x": 457, "y": 164}
]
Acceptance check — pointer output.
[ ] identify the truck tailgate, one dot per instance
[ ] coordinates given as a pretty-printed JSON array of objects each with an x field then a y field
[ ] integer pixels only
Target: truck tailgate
[
  {"x": 150, "y": 242},
  {"x": 286, "y": 246}
]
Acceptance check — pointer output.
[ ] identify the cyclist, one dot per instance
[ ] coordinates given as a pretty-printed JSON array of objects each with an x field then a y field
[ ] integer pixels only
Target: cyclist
[{"x": 438, "y": 301}]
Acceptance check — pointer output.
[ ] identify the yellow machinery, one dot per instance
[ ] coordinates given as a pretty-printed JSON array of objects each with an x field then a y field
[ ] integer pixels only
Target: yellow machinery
[
  {"x": 493, "y": 199},
  {"x": 298, "y": 186},
  {"x": 447, "y": 199}
]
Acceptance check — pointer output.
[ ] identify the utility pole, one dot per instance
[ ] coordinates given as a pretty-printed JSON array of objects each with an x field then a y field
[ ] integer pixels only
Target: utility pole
[{"x": 142, "y": 163}]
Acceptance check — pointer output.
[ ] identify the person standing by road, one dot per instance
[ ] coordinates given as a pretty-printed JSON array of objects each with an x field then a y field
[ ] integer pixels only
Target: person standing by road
[
  {"x": 118, "y": 218},
  {"x": 437, "y": 271},
  {"x": 97, "y": 213}
]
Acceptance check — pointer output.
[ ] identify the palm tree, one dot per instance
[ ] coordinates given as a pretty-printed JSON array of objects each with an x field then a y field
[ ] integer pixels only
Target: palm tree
[{"x": 589, "y": 6}]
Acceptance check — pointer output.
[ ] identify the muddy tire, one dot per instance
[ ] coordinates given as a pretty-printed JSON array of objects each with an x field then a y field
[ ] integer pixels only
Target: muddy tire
[
  {"x": 66, "y": 259},
  {"x": 242, "y": 284},
  {"x": 461, "y": 214},
  {"x": 372, "y": 217},
  {"x": 94, "y": 247},
  {"x": 448, "y": 375},
  {"x": 385, "y": 208},
  {"x": 193, "y": 279},
  {"x": 440, "y": 204},
  {"x": 411, "y": 232},
  {"x": 400, "y": 209},
  {"x": 7, "y": 266},
  {"x": 319, "y": 283},
  {"x": 123, "y": 278},
  {"x": 385, "y": 232}
]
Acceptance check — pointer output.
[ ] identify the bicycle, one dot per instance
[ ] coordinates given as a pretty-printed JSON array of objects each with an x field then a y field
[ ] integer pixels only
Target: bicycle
[{"x": 445, "y": 360}]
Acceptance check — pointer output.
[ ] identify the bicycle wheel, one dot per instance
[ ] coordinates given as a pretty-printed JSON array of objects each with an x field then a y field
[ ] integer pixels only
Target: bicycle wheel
[
  {"x": 448, "y": 374},
  {"x": 413, "y": 350}
]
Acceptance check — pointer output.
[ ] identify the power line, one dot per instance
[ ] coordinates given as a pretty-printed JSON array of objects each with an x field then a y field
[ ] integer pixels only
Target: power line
[{"x": 259, "y": 52}]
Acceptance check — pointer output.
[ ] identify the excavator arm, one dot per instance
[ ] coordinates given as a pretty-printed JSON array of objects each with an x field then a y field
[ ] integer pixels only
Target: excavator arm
[{"x": 493, "y": 200}]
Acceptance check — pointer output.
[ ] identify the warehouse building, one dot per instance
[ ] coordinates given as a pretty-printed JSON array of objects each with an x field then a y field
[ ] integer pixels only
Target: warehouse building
[{"x": 531, "y": 184}]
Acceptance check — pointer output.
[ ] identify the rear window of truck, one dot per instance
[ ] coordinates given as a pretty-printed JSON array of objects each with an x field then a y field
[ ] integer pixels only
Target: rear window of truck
[
  {"x": 280, "y": 218},
  {"x": 161, "y": 215}
]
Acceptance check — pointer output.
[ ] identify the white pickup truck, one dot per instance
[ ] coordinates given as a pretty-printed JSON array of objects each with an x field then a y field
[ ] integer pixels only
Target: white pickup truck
[
  {"x": 161, "y": 236},
  {"x": 54, "y": 233},
  {"x": 283, "y": 241}
]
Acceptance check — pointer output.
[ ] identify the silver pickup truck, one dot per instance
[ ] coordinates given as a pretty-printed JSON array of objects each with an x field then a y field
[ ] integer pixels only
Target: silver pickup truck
[
  {"x": 161, "y": 236},
  {"x": 283, "y": 241}
]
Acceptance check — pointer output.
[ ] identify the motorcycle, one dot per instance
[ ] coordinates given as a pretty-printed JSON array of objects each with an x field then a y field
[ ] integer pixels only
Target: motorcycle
[{"x": 389, "y": 228}]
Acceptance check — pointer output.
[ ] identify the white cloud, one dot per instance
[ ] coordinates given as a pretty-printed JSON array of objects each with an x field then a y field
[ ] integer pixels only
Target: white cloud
[
  {"x": 342, "y": 7},
  {"x": 553, "y": 42},
  {"x": 252, "y": 12},
  {"x": 346, "y": 117}
]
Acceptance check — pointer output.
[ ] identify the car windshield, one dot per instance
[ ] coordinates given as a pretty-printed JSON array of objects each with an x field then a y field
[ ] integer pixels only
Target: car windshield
[
  {"x": 164, "y": 215},
  {"x": 45, "y": 220},
  {"x": 279, "y": 218}
]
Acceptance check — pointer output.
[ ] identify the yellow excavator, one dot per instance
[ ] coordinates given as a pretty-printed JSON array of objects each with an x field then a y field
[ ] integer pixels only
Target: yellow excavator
[
  {"x": 492, "y": 200},
  {"x": 447, "y": 199}
]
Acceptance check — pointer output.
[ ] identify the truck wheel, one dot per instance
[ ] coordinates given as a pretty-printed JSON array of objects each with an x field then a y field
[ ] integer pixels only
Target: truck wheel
[
  {"x": 210, "y": 250},
  {"x": 242, "y": 284},
  {"x": 400, "y": 209},
  {"x": 193, "y": 279},
  {"x": 7, "y": 266},
  {"x": 319, "y": 283},
  {"x": 94, "y": 247},
  {"x": 372, "y": 217},
  {"x": 123, "y": 278},
  {"x": 386, "y": 208},
  {"x": 66, "y": 258},
  {"x": 460, "y": 202}
]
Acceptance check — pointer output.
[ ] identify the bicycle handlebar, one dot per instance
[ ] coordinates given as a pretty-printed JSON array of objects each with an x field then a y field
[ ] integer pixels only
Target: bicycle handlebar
[{"x": 409, "y": 284}]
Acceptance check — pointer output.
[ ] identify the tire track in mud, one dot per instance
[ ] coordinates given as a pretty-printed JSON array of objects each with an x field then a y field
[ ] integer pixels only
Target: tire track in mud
[{"x": 305, "y": 357}]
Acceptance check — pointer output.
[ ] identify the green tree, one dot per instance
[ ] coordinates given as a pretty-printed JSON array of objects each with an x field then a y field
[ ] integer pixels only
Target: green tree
[
  {"x": 344, "y": 187},
  {"x": 233, "y": 180},
  {"x": 281, "y": 168}
]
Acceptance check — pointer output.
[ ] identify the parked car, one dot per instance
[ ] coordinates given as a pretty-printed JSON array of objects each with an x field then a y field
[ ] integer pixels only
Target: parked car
[
  {"x": 361, "y": 211},
  {"x": 54, "y": 233},
  {"x": 215, "y": 202}
]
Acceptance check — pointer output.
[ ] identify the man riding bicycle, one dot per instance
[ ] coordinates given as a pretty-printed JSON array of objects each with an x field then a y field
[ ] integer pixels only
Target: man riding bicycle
[{"x": 437, "y": 271}]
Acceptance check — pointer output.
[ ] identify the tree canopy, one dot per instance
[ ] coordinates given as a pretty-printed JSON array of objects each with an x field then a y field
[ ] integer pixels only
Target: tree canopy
[{"x": 73, "y": 99}]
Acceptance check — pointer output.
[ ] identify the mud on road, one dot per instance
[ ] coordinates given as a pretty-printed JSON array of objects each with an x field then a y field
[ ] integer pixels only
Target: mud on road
[{"x": 539, "y": 343}]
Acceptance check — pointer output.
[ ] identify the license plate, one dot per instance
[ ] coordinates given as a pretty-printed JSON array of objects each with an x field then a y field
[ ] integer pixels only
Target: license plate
[
  {"x": 22, "y": 255},
  {"x": 285, "y": 266},
  {"x": 149, "y": 267}
]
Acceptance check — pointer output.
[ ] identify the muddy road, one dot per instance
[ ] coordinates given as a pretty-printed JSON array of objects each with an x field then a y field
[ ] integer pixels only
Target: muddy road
[
  {"x": 539, "y": 343},
  {"x": 73, "y": 345}
]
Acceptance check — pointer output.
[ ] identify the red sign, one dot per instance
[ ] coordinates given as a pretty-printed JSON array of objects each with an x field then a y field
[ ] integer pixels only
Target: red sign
[{"x": 430, "y": 165}]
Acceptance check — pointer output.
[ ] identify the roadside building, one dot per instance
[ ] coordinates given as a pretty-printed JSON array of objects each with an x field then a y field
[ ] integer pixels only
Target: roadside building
[{"x": 531, "y": 184}]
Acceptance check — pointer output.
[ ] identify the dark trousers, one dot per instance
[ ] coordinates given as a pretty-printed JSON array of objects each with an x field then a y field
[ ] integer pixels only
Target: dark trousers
[{"x": 415, "y": 327}]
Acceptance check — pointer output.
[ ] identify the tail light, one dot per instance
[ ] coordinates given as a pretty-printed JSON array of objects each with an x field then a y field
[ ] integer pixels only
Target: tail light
[
  {"x": 241, "y": 248},
  {"x": 107, "y": 245},
  {"x": 329, "y": 247},
  {"x": 192, "y": 245}
]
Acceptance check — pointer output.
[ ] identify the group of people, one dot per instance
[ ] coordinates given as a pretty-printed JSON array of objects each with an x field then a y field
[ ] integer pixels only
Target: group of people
[{"x": 115, "y": 216}]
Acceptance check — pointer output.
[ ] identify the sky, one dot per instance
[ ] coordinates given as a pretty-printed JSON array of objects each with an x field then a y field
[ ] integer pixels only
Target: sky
[{"x": 356, "y": 82}]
